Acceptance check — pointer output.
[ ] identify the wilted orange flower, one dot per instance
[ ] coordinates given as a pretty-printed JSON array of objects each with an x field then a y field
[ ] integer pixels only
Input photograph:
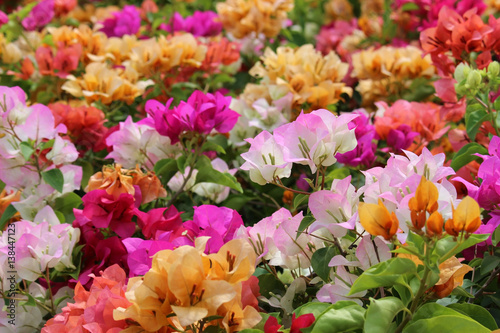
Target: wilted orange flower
[
  {"x": 191, "y": 286},
  {"x": 377, "y": 220},
  {"x": 466, "y": 217},
  {"x": 242, "y": 17},
  {"x": 424, "y": 201},
  {"x": 451, "y": 275},
  {"x": 305, "y": 72}
]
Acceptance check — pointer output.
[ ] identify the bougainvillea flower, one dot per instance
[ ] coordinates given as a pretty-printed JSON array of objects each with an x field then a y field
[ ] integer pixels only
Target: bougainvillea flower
[
  {"x": 200, "y": 24},
  {"x": 125, "y": 22},
  {"x": 102, "y": 210},
  {"x": 434, "y": 224},
  {"x": 451, "y": 275},
  {"x": 377, "y": 220},
  {"x": 424, "y": 201},
  {"x": 39, "y": 16},
  {"x": 159, "y": 220},
  {"x": 466, "y": 217}
]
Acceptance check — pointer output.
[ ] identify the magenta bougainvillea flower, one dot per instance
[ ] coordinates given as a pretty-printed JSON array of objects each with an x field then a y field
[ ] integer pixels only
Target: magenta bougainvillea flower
[
  {"x": 200, "y": 24},
  {"x": 102, "y": 210},
  {"x": 219, "y": 223},
  {"x": 39, "y": 16},
  {"x": 202, "y": 113},
  {"x": 159, "y": 220},
  {"x": 125, "y": 22}
]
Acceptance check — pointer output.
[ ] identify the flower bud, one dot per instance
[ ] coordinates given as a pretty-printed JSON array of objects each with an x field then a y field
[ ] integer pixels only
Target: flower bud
[
  {"x": 474, "y": 79},
  {"x": 461, "y": 72},
  {"x": 494, "y": 69}
]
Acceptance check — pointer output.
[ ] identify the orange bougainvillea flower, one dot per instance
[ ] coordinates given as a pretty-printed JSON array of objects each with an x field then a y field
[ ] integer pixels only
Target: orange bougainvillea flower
[
  {"x": 150, "y": 185},
  {"x": 434, "y": 226},
  {"x": 377, "y": 220},
  {"x": 466, "y": 217},
  {"x": 451, "y": 275},
  {"x": 424, "y": 201},
  {"x": 112, "y": 180}
]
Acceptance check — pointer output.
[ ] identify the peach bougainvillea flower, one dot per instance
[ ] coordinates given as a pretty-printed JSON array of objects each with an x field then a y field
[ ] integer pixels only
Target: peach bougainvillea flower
[
  {"x": 243, "y": 17},
  {"x": 466, "y": 217},
  {"x": 389, "y": 71},
  {"x": 305, "y": 72},
  {"x": 184, "y": 286},
  {"x": 112, "y": 180},
  {"x": 377, "y": 220},
  {"x": 451, "y": 275}
]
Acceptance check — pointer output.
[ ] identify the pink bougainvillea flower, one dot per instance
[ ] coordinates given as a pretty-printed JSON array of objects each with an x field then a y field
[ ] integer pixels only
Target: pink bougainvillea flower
[
  {"x": 159, "y": 220},
  {"x": 200, "y": 24},
  {"x": 220, "y": 223},
  {"x": 125, "y": 22},
  {"x": 67, "y": 59},
  {"x": 39, "y": 16}
]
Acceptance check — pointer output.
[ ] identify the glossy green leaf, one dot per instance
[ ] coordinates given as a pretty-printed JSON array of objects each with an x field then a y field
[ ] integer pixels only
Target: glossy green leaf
[
  {"x": 65, "y": 205},
  {"x": 445, "y": 247},
  {"x": 8, "y": 213},
  {"x": 300, "y": 199},
  {"x": 207, "y": 174},
  {"x": 316, "y": 308},
  {"x": 467, "y": 154},
  {"x": 473, "y": 121},
  {"x": 447, "y": 323},
  {"x": 26, "y": 150},
  {"x": 212, "y": 146},
  {"x": 384, "y": 274},
  {"x": 320, "y": 260},
  {"x": 165, "y": 169},
  {"x": 54, "y": 178},
  {"x": 345, "y": 319},
  {"x": 476, "y": 312},
  {"x": 380, "y": 314},
  {"x": 305, "y": 223},
  {"x": 490, "y": 262}
]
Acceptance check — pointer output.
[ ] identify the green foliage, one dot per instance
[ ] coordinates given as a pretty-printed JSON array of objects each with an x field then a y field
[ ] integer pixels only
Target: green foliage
[
  {"x": 320, "y": 260},
  {"x": 209, "y": 175},
  {"x": 55, "y": 178},
  {"x": 380, "y": 314},
  {"x": 385, "y": 274},
  {"x": 467, "y": 154}
]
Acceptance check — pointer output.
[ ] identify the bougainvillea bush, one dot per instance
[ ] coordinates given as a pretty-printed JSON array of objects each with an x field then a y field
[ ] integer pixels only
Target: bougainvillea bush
[{"x": 249, "y": 166}]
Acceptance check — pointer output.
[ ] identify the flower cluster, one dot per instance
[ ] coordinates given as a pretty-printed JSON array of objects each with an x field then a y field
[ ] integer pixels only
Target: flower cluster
[
  {"x": 242, "y": 17},
  {"x": 312, "y": 139},
  {"x": 184, "y": 286},
  {"x": 313, "y": 79}
]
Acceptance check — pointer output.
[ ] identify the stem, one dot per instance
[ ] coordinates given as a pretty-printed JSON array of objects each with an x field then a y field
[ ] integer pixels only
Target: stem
[
  {"x": 290, "y": 189},
  {"x": 481, "y": 290},
  {"x": 47, "y": 278}
]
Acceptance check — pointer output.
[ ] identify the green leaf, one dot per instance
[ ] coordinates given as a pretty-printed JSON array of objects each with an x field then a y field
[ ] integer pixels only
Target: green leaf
[
  {"x": 441, "y": 324},
  {"x": 320, "y": 260},
  {"x": 460, "y": 291},
  {"x": 476, "y": 312},
  {"x": 9, "y": 212},
  {"x": 47, "y": 144},
  {"x": 316, "y": 308},
  {"x": 60, "y": 216},
  {"x": 65, "y": 205},
  {"x": 30, "y": 302},
  {"x": 165, "y": 169},
  {"x": 300, "y": 199},
  {"x": 207, "y": 174},
  {"x": 474, "y": 118},
  {"x": 2, "y": 185},
  {"x": 268, "y": 283},
  {"x": 403, "y": 293},
  {"x": 384, "y": 274},
  {"x": 466, "y": 155},
  {"x": 26, "y": 150},
  {"x": 347, "y": 318},
  {"x": 445, "y": 247},
  {"x": 87, "y": 171},
  {"x": 305, "y": 223},
  {"x": 212, "y": 146},
  {"x": 409, "y": 6},
  {"x": 380, "y": 314},
  {"x": 182, "y": 162},
  {"x": 54, "y": 178},
  {"x": 236, "y": 201},
  {"x": 490, "y": 262}
]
